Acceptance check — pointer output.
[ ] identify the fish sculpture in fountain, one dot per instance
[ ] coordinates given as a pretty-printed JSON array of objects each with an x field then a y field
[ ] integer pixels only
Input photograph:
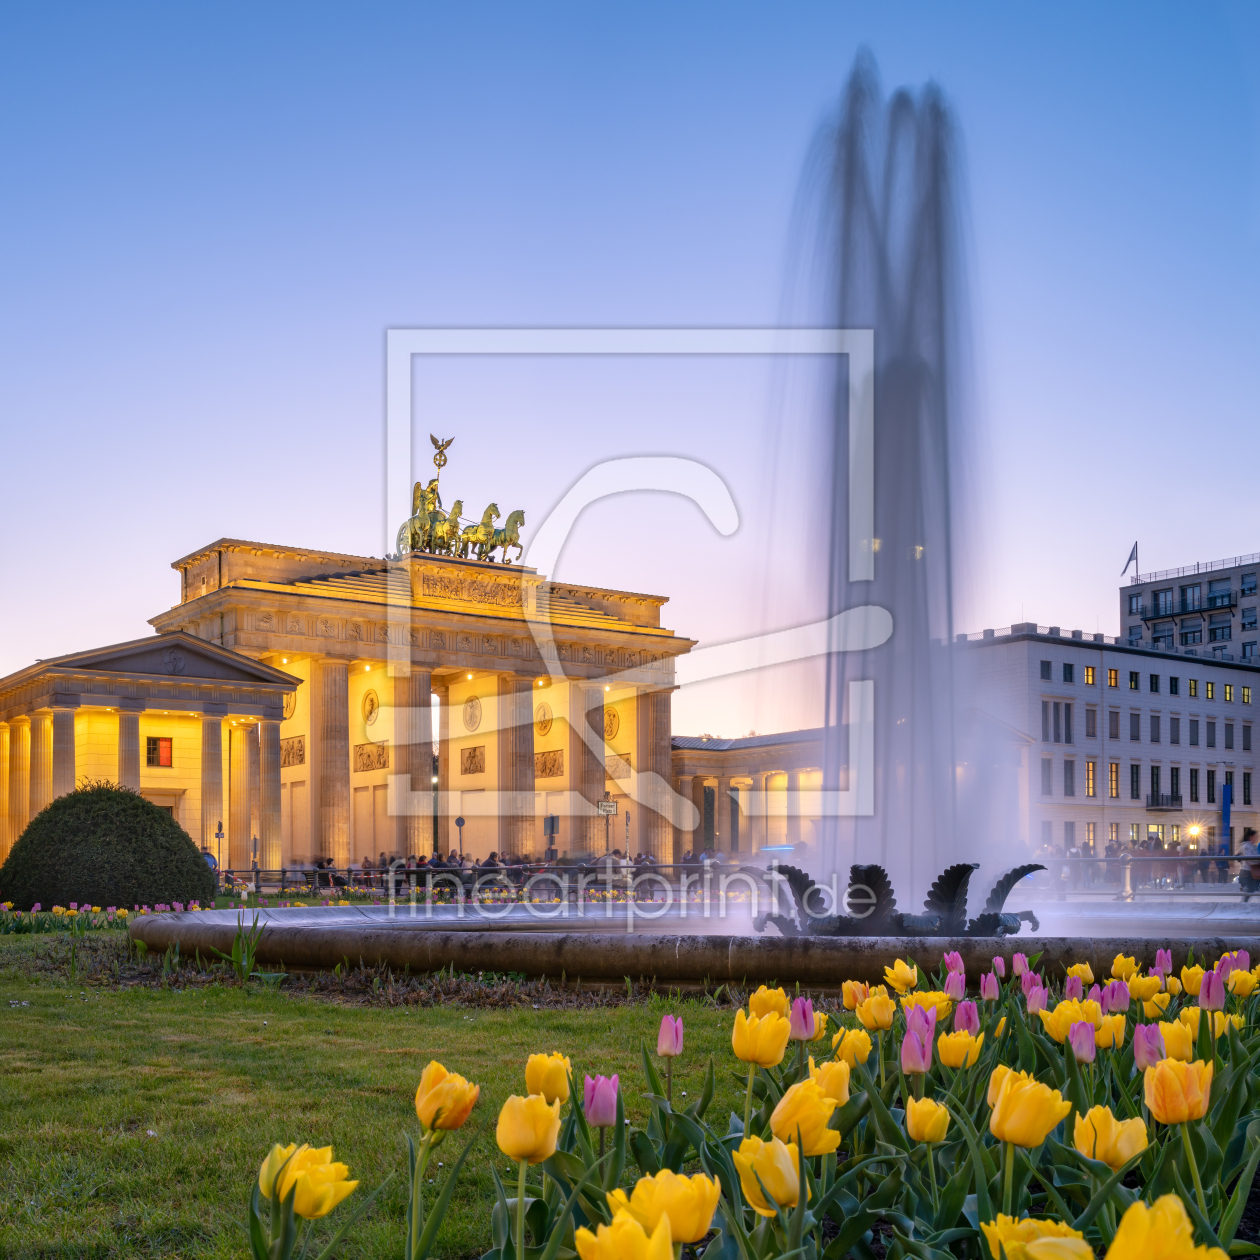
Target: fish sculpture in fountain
[{"x": 873, "y": 904}]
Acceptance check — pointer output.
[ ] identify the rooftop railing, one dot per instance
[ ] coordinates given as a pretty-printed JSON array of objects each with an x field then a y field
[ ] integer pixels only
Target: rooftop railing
[{"x": 1204, "y": 566}]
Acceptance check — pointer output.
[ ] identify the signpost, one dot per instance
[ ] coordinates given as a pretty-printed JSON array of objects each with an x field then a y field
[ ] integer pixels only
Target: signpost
[{"x": 607, "y": 807}]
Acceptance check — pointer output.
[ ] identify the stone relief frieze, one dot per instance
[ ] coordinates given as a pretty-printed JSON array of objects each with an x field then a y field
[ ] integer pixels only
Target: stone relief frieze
[
  {"x": 293, "y": 751},
  {"x": 371, "y": 757},
  {"x": 549, "y": 764},
  {"x": 470, "y": 590}
]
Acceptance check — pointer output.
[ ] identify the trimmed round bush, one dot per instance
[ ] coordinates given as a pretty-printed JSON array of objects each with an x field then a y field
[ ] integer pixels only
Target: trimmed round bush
[{"x": 107, "y": 846}]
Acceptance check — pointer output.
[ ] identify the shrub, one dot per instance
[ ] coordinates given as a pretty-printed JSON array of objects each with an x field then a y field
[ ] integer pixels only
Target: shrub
[{"x": 108, "y": 846}]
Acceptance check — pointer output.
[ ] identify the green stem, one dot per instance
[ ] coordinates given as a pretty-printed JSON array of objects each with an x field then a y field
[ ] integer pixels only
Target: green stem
[
  {"x": 752, "y": 1068},
  {"x": 1194, "y": 1168},
  {"x": 918, "y": 1086},
  {"x": 417, "y": 1191},
  {"x": 669, "y": 1083},
  {"x": 931, "y": 1162},
  {"x": 879, "y": 1037},
  {"x": 1008, "y": 1178},
  {"x": 520, "y": 1212}
]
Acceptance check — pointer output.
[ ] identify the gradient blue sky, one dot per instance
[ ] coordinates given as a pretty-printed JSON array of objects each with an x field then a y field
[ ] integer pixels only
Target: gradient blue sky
[{"x": 210, "y": 215}]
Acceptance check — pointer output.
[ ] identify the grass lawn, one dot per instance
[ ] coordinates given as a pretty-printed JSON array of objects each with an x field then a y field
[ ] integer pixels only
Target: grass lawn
[{"x": 133, "y": 1120}]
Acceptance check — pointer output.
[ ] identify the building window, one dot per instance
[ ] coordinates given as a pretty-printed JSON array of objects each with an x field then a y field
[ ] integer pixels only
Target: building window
[
  {"x": 1113, "y": 780},
  {"x": 1221, "y": 633},
  {"x": 1219, "y": 594},
  {"x": 1058, "y": 723},
  {"x": 1133, "y": 834},
  {"x": 1211, "y": 787},
  {"x": 1174, "y": 685},
  {"x": 1194, "y": 732},
  {"x": 1113, "y": 678},
  {"x": 1091, "y": 788},
  {"x": 1155, "y": 784},
  {"x": 1229, "y": 782},
  {"x": 1089, "y": 835},
  {"x": 1210, "y": 692},
  {"x": 1248, "y": 654},
  {"x": 1246, "y": 738},
  {"x": 1069, "y": 672},
  {"x": 1194, "y": 786},
  {"x": 1174, "y": 781},
  {"x": 1135, "y": 680},
  {"x": 1045, "y": 721},
  {"x": 1135, "y": 634},
  {"x": 1069, "y": 778},
  {"x": 1154, "y": 728},
  {"x": 1194, "y": 687},
  {"x": 1135, "y": 726},
  {"x": 1229, "y": 734},
  {"x": 1135, "y": 782},
  {"x": 1211, "y": 734},
  {"x": 1246, "y": 695},
  {"x": 1113, "y": 832},
  {"x": 1190, "y": 637},
  {"x": 1113, "y": 724},
  {"x": 1162, "y": 602},
  {"x": 1191, "y": 598},
  {"x": 1045, "y": 670},
  {"x": 1067, "y": 725},
  {"x": 1246, "y": 787},
  {"x": 1174, "y": 730},
  {"x": 1247, "y": 584},
  {"x": 157, "y": 751},
  {"x": 1229, "y": 693},
  {"x": 1249, "y": 618},
  {"x": 1089, "y": 675},
  {"x": 1154, "y": 684},
  {"x": 1091, "y": 723},
  {"x": 1047, "y": 776},
  {"x": 1135, "y": 604}
]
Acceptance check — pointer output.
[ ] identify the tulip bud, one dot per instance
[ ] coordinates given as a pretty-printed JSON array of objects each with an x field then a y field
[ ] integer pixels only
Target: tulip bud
[
  {"x": 1163, "y": 961},
  {"x": 1036, "y": 1000},
  {"x": 1081, "y": 1039},
  {"x": 1212, "y": 992},
  {"x": 1095, "y": 994},
  {"x": 669, "y": 1041},
  {"x": 999, "y": 967},
  {"x": 955, "y": 985},
  {"x": 1030, "y": 980},
  {"x": 802, "y": 1020},
  {"x": 854, "y": 993},
  {"x": 990, "y": 990},
  {"x": 953, "y": 961},
  {"x": 1019, "y": 965},
  {"x": 916, "y": 1055},
  {"x": 1073, "y": 989},
  {"x": 1148, "y": 1046},
  {"x": 1238, "y": 960},
  {"x": 599, "y": 1101},
  {"x": 967, "y": 1018}
]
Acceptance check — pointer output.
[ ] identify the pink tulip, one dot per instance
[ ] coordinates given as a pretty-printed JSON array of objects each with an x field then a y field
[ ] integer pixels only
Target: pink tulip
[
  {"x": 1019, "y": 965},
  {"x": 35, "y": 908},
  {"x": 1081, "y": 1039},
  {"x": 990, "y": 989},
  {"x": 1148, "y": 1046},
  {"x": 1163, "y": 961},
  {"x": 999, "y": 967},
  {"x": 916, "y": 1048},
  {"x": 1036, "y": 1000},
  {"x": 599, "y": 1101},
  {"x": 802, "y": 1020},
  {"x": 669, "y": 1041},
  {"x": 1030, "y": 980},
  {"x": 1212, "y": 991},
  {"x": 966, "y": 1018},
  {"x": 1115, "y": 997},
  {"x": 1095, "y": 994},
  {"x": 1074, "y": 989},
  {"x": 1239, "y": 960},
  {"x": 953, "y": 961},
  {"x": 955, "y": 985}
]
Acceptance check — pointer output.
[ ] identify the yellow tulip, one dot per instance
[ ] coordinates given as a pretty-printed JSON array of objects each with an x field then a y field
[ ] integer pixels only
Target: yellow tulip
[
  {"x": 1099, "y": 1135},
  {"x": 528, "y": 1128},
  {"x": 625, "y": 1239},
  {"x": 444, "y": 1100},
  {"x": 820, "y": 1026},
  {"x": 1143, "y": 988},
  {"x": 548, "y": 1075},
  {"x": 928, "y": 999},
  {"x": 1001, "y": 1028},
  {"x": 996, "y": 1079},
  {"x": 876, "y": 1013},
  {"x": 1110, "y": 1034},
  {"x": 901, "y": 976},
  {"x": 777, "y": 1164},
  {"x": 689, "y": 1202},
  {"x": 769, "y": 1001},
  {"x": 271, "y": 1166},
  {"x": 318, "y": 1184},
  {"x": 1013, "y": 1236},
  {"x": 1160, "y": 1232},
  {"x": 1173, "y": 985},
  {"x": 833, "y": 1079},
  {"x": 1059, "y": 1249},
  {"x": 1178, "y": 1040},
  {"x": 761, "y": 1039},
  {"x": 1058, "y": 1022},
  {"x": 1241, "y": 983},
  {"x": 1025, "y": 1110},
  {"x": 1084, "y": 970},
  {"x": 1192, "y": 978},
  {"x": 926, "y": 1121},
  {"x": 1178, "y": 1091},
  {"x": 1123, "y": 968},
  {"x": 959, "y": 1049},
  {"x": 1190, "y": 1017},
  {"x": 854, "y": 992},
  {"x": 1156, "y": 1006},
  {"x": 853, "y": 1045},
  {"x": 805, "y": 1109}
]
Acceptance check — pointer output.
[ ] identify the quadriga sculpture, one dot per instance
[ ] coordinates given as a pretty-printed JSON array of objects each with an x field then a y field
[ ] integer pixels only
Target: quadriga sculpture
[{"x": 869, "y": 886}]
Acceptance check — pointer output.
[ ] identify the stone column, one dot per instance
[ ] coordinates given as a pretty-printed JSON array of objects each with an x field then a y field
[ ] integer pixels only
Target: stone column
[
  {"x": 6, "y": 840},
  {"x": 269, "y": 855},
  {"x": 682, "y": 834},
  {"x": 240, "y": 841},
  {"x": 446, "y": 811},
  {"x": 722, "y": 815},
  {"x": 252, "y": 755},
  {"x": 211, "y": 783},
  {"x": 19, "y": 777},
  {"x": 794, "y": 807},
  {"x": 661, "y": 822},
  {"x": 62, "y": 752},
  {"x": 586, "y": 766},
  {"x": 129, "y": 749},
  {"x": 697, "y": 799},
  {"x": 412, "y": 759},
  {"x": 41, "y": 762},
  {"x": 516, "y": 764},
  {"x": 334, "y": 762},
  {"x": 747, "y": 827}
]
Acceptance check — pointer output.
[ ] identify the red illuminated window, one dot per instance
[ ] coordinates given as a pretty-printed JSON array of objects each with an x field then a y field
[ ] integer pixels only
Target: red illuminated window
[{"x": 157, "y": 751}]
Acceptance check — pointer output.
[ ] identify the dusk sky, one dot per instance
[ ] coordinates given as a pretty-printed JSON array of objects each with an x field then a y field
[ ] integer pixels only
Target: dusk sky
[{"x": 211, "y": 215}]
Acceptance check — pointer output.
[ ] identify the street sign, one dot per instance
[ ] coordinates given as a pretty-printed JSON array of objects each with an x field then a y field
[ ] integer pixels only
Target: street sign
[{"x": 606, "y": 807}]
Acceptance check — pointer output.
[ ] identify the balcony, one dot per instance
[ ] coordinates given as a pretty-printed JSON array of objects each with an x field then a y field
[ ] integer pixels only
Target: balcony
[
  {"x": 1162, "y": 801},
  {"x": 1226, "y": 599}
]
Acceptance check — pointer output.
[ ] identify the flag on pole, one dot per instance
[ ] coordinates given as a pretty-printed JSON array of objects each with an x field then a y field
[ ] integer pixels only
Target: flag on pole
[{"x": 1132, "y": 560}]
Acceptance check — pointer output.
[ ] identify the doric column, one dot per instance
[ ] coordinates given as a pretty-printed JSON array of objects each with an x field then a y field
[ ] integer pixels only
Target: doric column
[
  {"x": 6, "y": 840},
  {"x": 269, "y": 856},
  {"x": 516, "y": 764},
  {"x": 62, "y": 752},
  {"x": 129, "y": 749},
  {"x": 722, "y": 815},
  {"x": 794, "y": 807},
  {"x": 412, "y": 759},
  {"x": 19, "y": 777},
  {"x": 240, "y": 842},
  {"x": 211, "y": 783},
  {"x": 697, "y": 799},
  {"x": 334, "y": 762},
  {"x": 682, "y": 834},
  {"x": 446, "y": 811},
  {"x": 255, "y": 798},
  {"x": 41, "y": 762},
  {"x": 586, "y": 766},
  {"x": 654, "y": 827}
]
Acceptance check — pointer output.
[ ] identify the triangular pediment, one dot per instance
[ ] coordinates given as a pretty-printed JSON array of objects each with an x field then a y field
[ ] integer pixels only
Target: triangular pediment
[{"x": 175, "y": 655}]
